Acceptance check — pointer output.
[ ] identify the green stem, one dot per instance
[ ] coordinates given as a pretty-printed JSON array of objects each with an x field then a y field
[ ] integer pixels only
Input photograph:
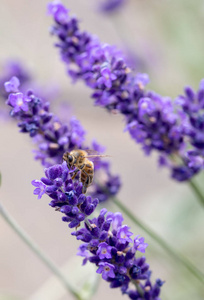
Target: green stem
[
  {"x": 178, "y": 256},
  {"x": 139, "y": 289},
  {"x": 196, "y": 191},
  {"x": 31, "y": 244}
]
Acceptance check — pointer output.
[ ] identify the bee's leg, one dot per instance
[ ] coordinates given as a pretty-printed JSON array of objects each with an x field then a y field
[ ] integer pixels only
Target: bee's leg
[
  {"x": 86, "y": 183},
  {"x": 81, "y": 168},
  {"x": 77, "y": 170},
  {"x": 75, "y": 173},
  {"x": 84, "y": 189}
]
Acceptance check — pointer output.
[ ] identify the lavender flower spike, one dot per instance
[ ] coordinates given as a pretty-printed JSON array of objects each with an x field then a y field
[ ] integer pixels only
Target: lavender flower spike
[
  {"x": 156, "y": 122},
  {"x": 53, "y": 138},
  {"x": 107, "y": 243}
]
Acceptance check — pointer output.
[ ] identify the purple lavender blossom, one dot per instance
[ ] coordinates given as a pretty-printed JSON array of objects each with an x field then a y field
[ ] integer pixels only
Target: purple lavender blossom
[
  {"x": 106, "y": 269},
  {"x": 18, "y": 101},
  {"x": 40, "y": 188},
  {"x": 124, "y": 234},
  {"x": 116, "y": 218},
  {"x": 156, "y": 122},
  {"x": 139, "y": 244},
  {"x": 17, "y": 71},
  {"x": 12, "y": 85},
  {"x": 53, "y": 138},
  {"x": 106, "y": 77},
  {"x": 104, "y": 251},
  {"x": 82, "y": 251},
  {"x": 106, "y": 241},
  {"x": 58, "y": 11}
]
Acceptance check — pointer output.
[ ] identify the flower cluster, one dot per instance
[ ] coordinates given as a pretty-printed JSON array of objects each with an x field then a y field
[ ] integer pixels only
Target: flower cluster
[
  {"x": 52, "y": 136},
  {"x": 66, "y": 195},
  {"x": 192, "y": 104},
  {"x": 154, "y": 121},
  {"x": 106, "y": 241}
]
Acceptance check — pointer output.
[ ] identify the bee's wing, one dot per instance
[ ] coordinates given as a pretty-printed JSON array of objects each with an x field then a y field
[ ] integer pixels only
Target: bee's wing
[
  {"x": 94, "y": 155},
  {"x": 91, "y": 152}
]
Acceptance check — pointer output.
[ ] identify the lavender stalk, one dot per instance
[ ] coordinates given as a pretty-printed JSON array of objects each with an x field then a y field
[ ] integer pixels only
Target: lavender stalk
[
  {"x": 38, "y": 252},
  {"x": 196, "y": 191},
  {"x": 172, "y": 128},
  {"x": 107, "y": 243}
]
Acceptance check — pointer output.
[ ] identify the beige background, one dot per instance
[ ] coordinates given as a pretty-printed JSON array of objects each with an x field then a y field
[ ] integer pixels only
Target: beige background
[{"x": 167, "y": 207}]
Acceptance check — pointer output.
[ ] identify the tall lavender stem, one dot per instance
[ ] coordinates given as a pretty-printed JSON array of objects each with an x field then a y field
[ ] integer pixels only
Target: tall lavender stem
[
  {"x": 35, "y": 248},
  {"x": 197, "y": 191},
  {"x": 106, "y": 242}
]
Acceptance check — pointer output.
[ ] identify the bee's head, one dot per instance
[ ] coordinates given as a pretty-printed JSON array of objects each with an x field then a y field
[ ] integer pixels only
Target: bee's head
[{"x": 69, "y": 159}]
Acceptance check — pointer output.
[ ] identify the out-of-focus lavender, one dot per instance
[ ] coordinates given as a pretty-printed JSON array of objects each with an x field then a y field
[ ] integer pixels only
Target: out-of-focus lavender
[
  {"x": 18, "y": 69},
  {"x": 9, "y": 69},
  {"x": 106, "y": 241},
  {"x": 53, "y": 137},
  {"x": 111, "y": 6},
  {"x": 13, "y": 68},
  {"x": 154, "y": 121}
]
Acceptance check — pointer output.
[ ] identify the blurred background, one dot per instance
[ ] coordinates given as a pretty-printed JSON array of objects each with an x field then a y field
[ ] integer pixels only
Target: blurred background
[{"x": 165, "y": 39}]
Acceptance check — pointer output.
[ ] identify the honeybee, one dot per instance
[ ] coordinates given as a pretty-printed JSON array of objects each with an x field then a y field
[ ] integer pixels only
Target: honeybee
[{"x": 79, "y": 159}]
